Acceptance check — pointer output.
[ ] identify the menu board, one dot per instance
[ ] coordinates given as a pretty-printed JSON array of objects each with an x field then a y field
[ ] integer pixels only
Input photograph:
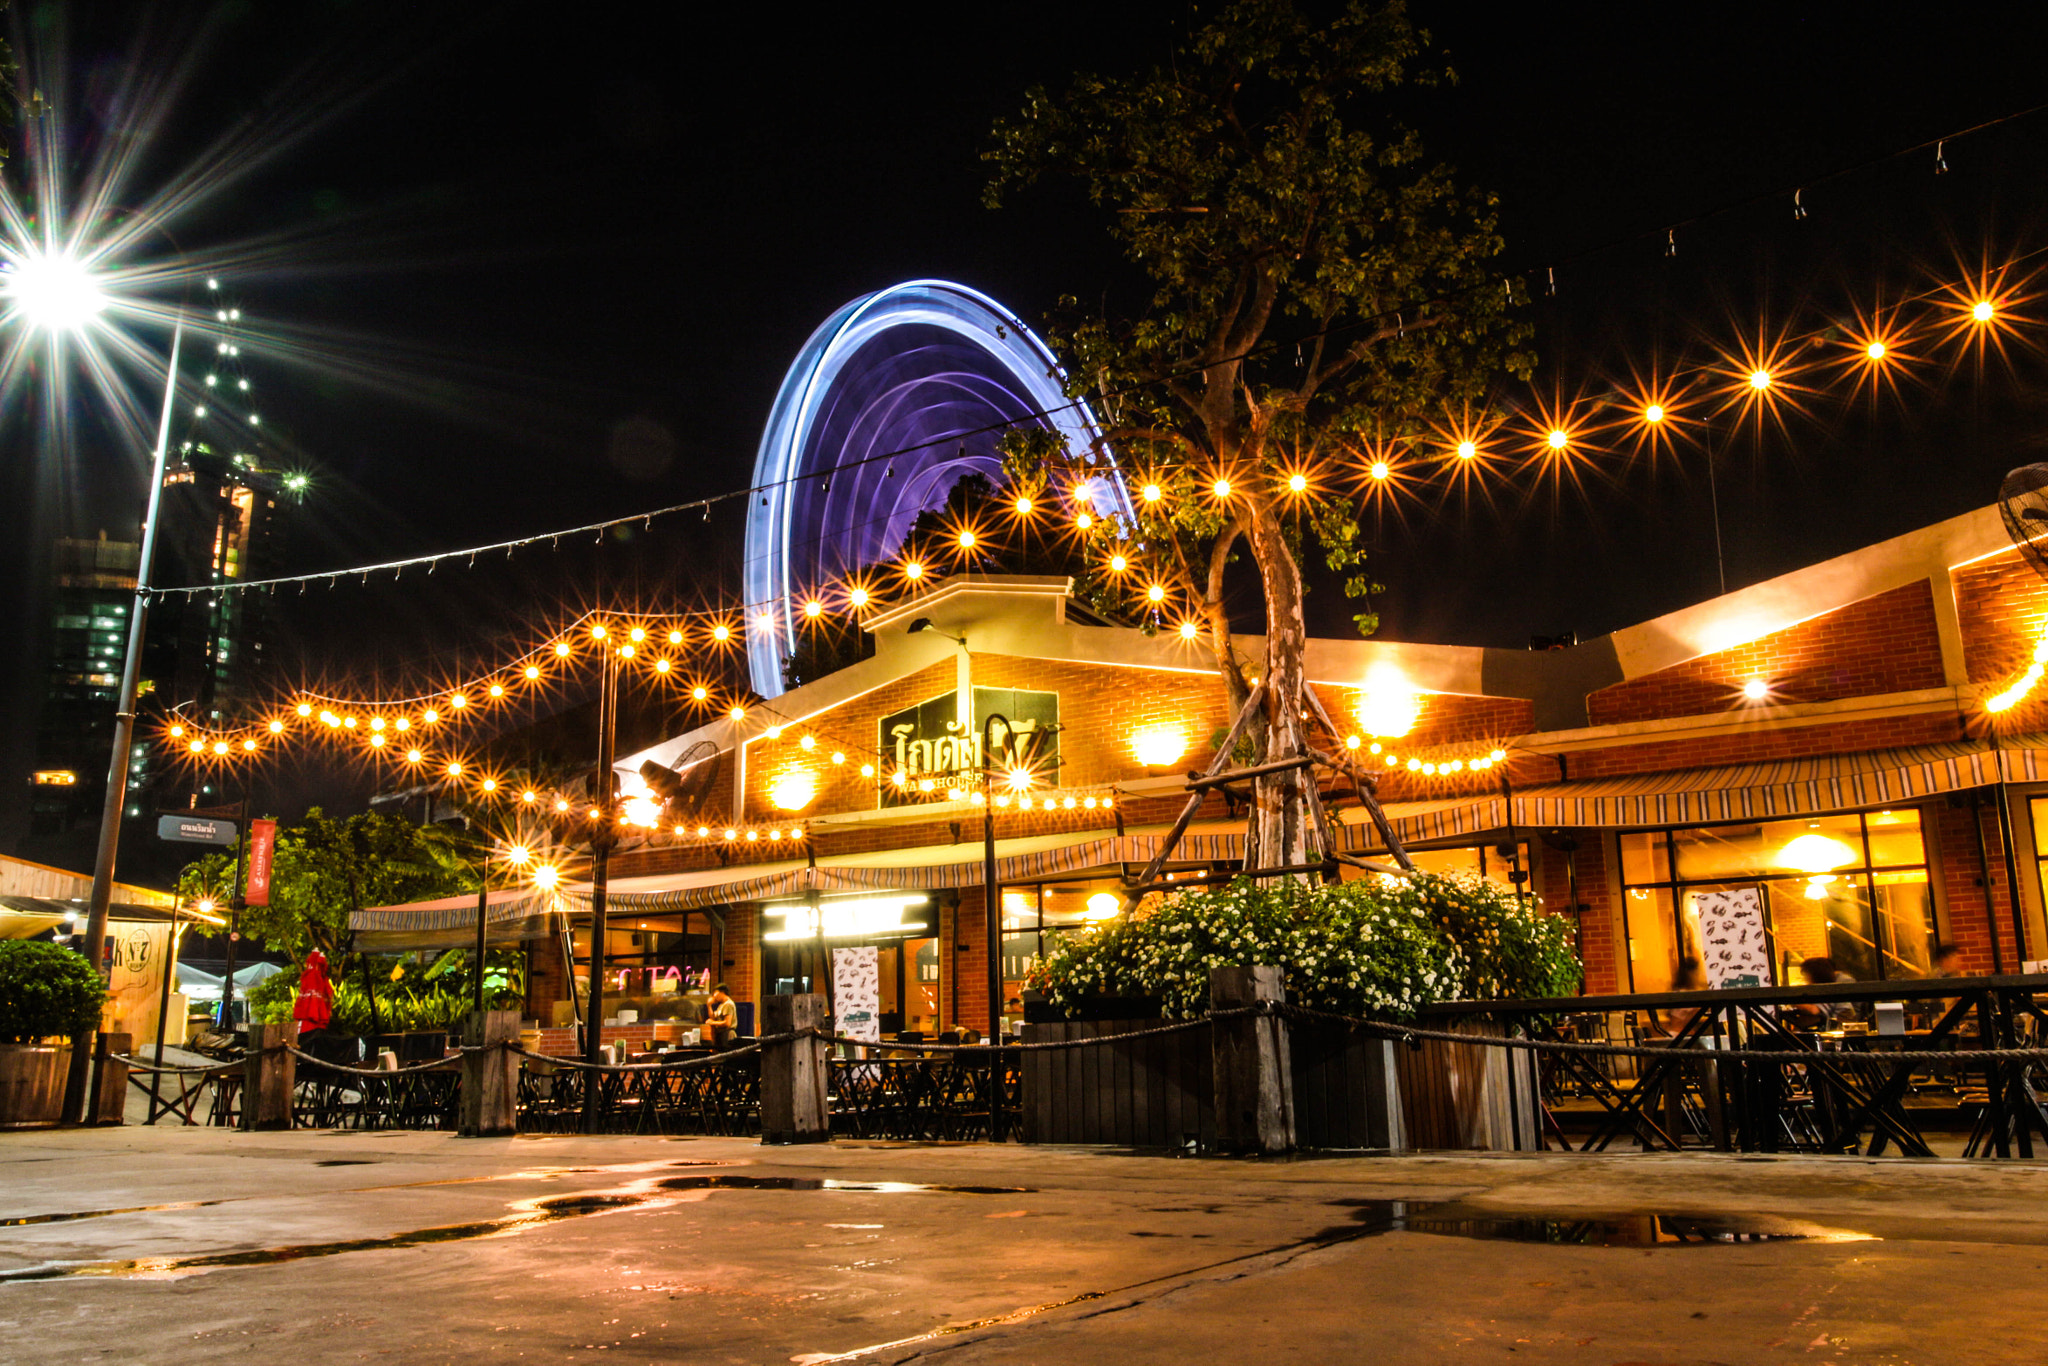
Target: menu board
[
  {"x": 1733, "y": 947},
  {"x": 857, "y": 992}
]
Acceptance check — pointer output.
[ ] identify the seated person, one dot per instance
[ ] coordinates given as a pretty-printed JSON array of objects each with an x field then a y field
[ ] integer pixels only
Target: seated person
[
  {"x": 1691, "y": 977},
  {"x": 1817, "y": 1015},
  {"x": 721, "y": 1018}
]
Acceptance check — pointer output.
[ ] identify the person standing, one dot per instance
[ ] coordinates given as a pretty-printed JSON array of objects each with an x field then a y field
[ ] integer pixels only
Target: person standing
[{"x": 721, "y": 1018}]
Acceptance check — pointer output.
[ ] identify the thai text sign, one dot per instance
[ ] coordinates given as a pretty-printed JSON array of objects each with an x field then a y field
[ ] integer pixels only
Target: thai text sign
[
  {"x": 928, "y": 741},
  {"x": 195, "y": 830}
]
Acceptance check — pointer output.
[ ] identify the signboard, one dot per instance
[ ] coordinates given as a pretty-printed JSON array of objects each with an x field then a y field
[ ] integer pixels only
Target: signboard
[
  {"x": 1734, "y": 949},
  {"x": 195, "y": 830},
  {"x": 262, "y": 848},
  {"x": 857, "y": 992},
  {"x": 927, "y": 740}
]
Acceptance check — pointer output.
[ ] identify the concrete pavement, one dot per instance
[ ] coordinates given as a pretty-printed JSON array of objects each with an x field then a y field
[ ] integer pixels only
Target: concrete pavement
[{"x": 188, "y": 1245}]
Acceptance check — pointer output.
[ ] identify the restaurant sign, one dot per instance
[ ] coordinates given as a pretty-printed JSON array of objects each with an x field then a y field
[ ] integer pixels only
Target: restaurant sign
[{"x": 928, "y": 740}]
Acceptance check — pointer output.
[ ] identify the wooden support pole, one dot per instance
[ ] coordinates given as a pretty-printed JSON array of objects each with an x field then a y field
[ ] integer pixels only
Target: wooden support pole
[
  {"x": 269, "y": 1075},
  {"x": 1255, "y": 771},
  {"x": 490, "y": 1077},
  {"x": 1254, "y": 1082},
  {"x": 794, "y": 1072},
  {"x": 1180, "y": 824}
]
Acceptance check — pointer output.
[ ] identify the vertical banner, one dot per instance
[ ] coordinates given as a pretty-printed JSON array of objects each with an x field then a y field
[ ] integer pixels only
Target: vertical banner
[
  {"x": 1733, "y": 947},
  {"x": 262, "y": 846},
  {"x": 857, "y": 992}
]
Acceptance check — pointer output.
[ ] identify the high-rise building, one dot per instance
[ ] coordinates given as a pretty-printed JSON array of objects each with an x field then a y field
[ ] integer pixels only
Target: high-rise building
[{"x": 93, "y": 588}]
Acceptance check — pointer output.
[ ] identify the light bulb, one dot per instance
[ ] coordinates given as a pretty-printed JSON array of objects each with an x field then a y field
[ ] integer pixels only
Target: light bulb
[
  {"x": 1221, "y": 488},
  {"x": 1875, "y": 350},
  {"x": 1467, "y": 449},
  {"x": 1654, "y": 414},
  {"x": 1297, "y": 483},
  {"x": 1153, "y": 493},
  {"x": 1023, "y": 507},
  {"x": 1982, "y": 311},
  {"x": 1759, "y": 380},
  {"x": 1559, "y": 438}
]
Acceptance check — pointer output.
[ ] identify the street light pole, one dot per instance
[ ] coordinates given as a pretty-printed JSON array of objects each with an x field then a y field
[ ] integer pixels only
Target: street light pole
[{"x": 124, "y": 720}]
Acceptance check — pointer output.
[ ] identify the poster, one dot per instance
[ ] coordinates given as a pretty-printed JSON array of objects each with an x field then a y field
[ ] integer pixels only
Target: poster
[
  {"x": 1733, "y": 947},
  {"x": 857, "y": 992}
]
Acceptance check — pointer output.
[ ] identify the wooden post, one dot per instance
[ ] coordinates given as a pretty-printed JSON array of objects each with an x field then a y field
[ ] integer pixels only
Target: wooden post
[
  {"x": 269, "y": 1075},
  {"x": 1254, "y": 1085},
  {"x": 794, "y": 1072},
  {"x": 110, "y": 1078},
  {"x": 490, "y": 1077}
]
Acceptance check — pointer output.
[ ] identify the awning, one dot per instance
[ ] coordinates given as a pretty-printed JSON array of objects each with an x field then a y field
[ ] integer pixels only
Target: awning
[
  {"x": 922, "y": 868},
  {"x": 516, "y": 914},
  {"x": 24, "y": 917},
  {"x": 1816, "y": 786}
]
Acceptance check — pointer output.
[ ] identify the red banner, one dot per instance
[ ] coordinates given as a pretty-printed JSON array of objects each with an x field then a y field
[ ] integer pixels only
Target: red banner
[{"x": 262, "y": 845}]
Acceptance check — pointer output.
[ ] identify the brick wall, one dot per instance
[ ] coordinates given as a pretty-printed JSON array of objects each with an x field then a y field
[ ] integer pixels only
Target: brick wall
[
  {"x": 1600, "y": 948},
  {"x": 1886, "y": 643},
  {"x": 1961, "y": 863}
]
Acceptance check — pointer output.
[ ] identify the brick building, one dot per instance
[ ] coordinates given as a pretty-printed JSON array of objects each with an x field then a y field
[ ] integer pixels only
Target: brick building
[{"x": 1817, "y": 745}]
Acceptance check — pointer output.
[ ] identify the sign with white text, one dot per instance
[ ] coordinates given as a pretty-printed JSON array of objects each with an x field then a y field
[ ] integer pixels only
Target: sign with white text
[{"x": 195, "y": 830}]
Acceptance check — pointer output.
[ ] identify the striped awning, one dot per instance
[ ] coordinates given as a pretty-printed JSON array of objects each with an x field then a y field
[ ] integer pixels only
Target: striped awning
[
  {"x": 514, "y": 914},
  {"x": 927, "y": 868},
  {"x": 1814, "y": 786}
]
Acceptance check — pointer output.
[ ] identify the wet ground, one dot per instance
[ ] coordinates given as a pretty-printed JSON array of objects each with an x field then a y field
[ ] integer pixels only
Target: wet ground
[{"x": 186, "y": 1245}]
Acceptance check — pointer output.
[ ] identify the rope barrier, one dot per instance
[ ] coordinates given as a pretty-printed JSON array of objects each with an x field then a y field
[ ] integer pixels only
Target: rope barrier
[
  {"x": 679, "y": 1064},
  {"x": 1411, "y": 1033},
  {"x": 134, "y": 1064}
]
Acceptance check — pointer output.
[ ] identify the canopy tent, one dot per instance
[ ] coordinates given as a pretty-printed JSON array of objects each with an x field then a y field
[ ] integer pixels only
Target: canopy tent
[
  {"x": 515, "y": 915},
  {"x": 1815, "y": 786},
  {"x": 196, "y": 984},
  {"x": 24, "y": 917}
]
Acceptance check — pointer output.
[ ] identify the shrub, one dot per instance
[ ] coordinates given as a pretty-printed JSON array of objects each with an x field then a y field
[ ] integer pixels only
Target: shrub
[
  {"x": 45, "y": 990},
  {"x": 1381, "y": 948}
]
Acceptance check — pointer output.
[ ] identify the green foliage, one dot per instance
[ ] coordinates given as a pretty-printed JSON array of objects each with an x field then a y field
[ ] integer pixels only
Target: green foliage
[
  {"x": 1319, "y": 294},
  {"x": 408, "y": 997},
  {"x": 1378, "y": 948},
  {"x": 325, "y": 868},
  {"x": 46, "y": 989}
]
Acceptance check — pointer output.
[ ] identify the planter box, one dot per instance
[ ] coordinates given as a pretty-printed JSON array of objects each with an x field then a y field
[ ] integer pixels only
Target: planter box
[
  {"x": 1468, "y": 1096},
  {"x": 32, "y": 1085}
]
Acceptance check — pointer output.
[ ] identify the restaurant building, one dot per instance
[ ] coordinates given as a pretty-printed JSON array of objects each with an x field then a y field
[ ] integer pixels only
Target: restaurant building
[{"x": 1817, "y": 747}]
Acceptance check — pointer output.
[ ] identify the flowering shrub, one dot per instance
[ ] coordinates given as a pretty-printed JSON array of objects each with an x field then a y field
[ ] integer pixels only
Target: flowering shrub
[{"x": 1380, "y": 948}]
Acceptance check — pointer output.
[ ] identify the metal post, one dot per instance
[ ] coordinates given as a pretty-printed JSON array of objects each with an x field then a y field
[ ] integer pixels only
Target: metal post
[
  {"x": 227, "y": 986},
  {"x": 601, "y": 840},
  {"x": 992, "y": 896},
  {"x": 483, "y": 908},
  {"x": 116, "y": 799},
  {"x": 1507, "y": 796},
  {"x": 2012, "y": 869}
]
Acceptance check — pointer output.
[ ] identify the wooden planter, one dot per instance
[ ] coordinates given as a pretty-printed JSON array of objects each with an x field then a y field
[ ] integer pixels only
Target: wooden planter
[
  {"x": 1467, "y": 1096},
  {"x": 32, "y": 1085}
]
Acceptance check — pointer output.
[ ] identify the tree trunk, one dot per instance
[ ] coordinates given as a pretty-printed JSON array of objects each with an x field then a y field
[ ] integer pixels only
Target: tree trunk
[{"x": 1281, "y": 831}]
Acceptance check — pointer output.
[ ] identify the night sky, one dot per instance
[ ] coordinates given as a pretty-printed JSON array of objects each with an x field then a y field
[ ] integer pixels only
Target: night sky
[{"x": 522, "y": 267}]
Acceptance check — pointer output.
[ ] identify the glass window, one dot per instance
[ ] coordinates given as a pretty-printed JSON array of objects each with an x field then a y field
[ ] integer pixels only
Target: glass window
[
  {"x": 1852, "y": 888},
  {"x": 1486, "y": 860}
]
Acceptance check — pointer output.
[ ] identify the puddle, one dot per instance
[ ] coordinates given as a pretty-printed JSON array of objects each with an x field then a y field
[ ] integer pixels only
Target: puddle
[
  {"x": 347, "y": 1162},
  {"x": 526, "y": 1214},
  {"x": 523, "y": 1215},
  {"x": 804, "y": 1183},
  {"x": 1452, "y": 1220},
  {"x": 103, "y": 1213}
]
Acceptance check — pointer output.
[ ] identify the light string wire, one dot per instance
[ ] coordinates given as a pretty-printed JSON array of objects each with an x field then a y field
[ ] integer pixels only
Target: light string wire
[{"x": 1043, "y": 415}]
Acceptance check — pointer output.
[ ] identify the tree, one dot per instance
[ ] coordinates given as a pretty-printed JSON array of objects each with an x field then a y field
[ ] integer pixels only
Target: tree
[
  {"x": 325, "y": 868},
  {"x": 1317, "y": 289}
]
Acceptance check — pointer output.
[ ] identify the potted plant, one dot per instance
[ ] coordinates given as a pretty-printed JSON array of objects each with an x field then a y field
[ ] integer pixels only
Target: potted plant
[{"x": 45, "y": 992}]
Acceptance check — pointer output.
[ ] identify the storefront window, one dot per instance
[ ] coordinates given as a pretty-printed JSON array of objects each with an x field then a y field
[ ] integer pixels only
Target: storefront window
[{"x": 1852, "y": 888}]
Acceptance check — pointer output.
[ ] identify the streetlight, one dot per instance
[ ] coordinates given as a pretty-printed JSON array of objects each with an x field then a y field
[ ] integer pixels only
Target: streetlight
[
  {"x": 991, "y": 889},
  {"x": 56, "y": 292}
]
